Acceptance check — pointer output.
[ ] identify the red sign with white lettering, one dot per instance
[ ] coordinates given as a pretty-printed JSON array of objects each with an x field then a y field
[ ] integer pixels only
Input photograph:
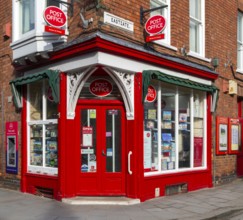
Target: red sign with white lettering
[
  {"x": 54, "y": 16},
  {"x": 155, "y": 24},
  {"x": 100, "y": 87},
  {"x": 151, "y": 95}
]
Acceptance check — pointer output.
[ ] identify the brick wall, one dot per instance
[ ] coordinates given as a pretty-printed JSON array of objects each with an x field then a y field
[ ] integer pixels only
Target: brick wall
[{"x": 7, "y": 110}]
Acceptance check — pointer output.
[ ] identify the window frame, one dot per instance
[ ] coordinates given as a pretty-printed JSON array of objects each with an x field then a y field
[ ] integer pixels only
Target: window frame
[
  {"x": 201, "y": 37},
  {"x": 192, "y": 121},
  {"x": 167, "y": 31},
  {"x": 44, "y": 123},
  {"x": 240, "y": 42}
]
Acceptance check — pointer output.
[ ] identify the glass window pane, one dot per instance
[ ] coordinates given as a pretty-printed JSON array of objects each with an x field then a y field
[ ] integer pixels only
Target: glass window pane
[
  {"x": 195, "y": 9},
  {"x": 151, "y": 162},
  {"x": 51, "y": 145},
  {"x": 194, "y": 37},
  {"x": 53, "y": 3},
  {"x": 168, "y": 145},
  {"x": 198, "y": 122},
  {"x": 51, "y": 106},
  {"x": 27, "y": 13},
  {"x": 88, "y": 140},
  {"x": 35, "y": 100},
  {"x": 113, "y": 140},
  {"x": 36, "y": 147},
  {"x": 184, "y": 145}
]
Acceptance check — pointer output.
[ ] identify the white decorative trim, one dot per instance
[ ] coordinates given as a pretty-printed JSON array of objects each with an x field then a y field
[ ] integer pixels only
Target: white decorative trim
[
  {"x": 75, "y": 83},
  {"x": 125, "y": 83}
]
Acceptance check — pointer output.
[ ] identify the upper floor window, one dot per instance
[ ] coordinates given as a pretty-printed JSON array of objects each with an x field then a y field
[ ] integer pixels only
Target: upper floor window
[
  {"x": 53, "y": 3},
  {"x": 165, "y": 12},
  {"x": 197, "y": 27},
  {"x": 240, "y": 42},
  {"x": 27, "y": 15}
]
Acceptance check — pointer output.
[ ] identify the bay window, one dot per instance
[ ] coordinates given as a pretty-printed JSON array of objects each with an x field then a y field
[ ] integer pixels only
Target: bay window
[
  {"x": 197, "y": 27},
  {"x": 42, "y": 133},
  {"x": 240, "y": 43},
  {"x": 174, "y": 130},
  {"x": 27, "y": 15}
]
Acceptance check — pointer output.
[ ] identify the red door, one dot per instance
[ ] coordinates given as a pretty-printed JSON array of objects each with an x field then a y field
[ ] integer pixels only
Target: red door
[{"x": 102, "y": 150}]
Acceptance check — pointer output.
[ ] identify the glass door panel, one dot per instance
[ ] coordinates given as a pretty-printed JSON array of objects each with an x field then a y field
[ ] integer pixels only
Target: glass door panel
[
  {"x": 88, "y": 140},
  {"x": 113, "y": 140}
]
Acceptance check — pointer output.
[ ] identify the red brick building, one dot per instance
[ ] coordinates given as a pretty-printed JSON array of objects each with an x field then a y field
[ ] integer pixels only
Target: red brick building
[{"x": 92, "y": 105}]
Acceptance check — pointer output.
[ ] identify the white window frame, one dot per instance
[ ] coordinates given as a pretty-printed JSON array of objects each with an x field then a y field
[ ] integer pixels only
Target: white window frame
[
  {"x": 204, "y": 158},
  {"x": 167, "y": 31},
  {"x": 35, "y": 40},
  {"x": 201, "y": 40},
  {"x": 32, "y": 168},
  {"x": 240, "y": 43}
]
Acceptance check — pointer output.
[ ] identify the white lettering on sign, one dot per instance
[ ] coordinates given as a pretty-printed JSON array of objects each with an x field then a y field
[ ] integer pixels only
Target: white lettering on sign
[
  {"x": 155, "y": 24},
  {"x": 118, "y": 22},
  {"x": 54, "y": 16},
  {"x": 100, "y": 87}
]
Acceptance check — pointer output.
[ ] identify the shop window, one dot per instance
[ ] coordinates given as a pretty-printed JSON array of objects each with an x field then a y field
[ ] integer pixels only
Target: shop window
[
  {"x": 165, "y": 12},
  {"x": 174, "y": 130},
  {"x": 240, "y": 43},
  {"x": 197, "y": 27},
  {"x": 42, "y": 133}
]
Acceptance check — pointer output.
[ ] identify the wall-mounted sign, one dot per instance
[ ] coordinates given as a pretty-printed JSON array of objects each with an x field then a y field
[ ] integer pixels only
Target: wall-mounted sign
[
  {"x": 56, "y": 18},
  {"x": 154, "y": 26},
  {"x": 12, "y": 147},
  {"x": 100, "y": 87},
  {"x": 234, "y": 135},
  {"x": 222, "y": 135},
  {"x": 151, "y": 95},
  {"x": 118, "y": 22},
  {"x": 87, "y": 136}
]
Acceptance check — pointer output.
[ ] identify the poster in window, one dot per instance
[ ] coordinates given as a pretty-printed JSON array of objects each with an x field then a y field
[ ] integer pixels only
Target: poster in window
[
  {"x": 198, "y": 151},
  {"x": 221, "y": 135},
  {"x": 234, "y": 135},
  {"x": 147, "y": 150},
  {"x": 87, "y": 136}
]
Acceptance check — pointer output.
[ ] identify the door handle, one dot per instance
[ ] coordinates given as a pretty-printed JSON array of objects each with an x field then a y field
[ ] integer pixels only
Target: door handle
[
  {"x": 103, "y": 153},
  {"x": 129, "y": 162}
]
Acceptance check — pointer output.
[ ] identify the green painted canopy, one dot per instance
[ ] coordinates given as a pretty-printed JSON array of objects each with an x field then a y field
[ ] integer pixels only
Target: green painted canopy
[
  {"x": 51, "y": 75},
  {"x": 149, "y": 75}
]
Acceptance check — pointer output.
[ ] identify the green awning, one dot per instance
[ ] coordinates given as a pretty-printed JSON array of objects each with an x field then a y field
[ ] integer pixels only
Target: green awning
[
  {"x": 149, "y": 75},
  {"x": 51, "y": 75}
]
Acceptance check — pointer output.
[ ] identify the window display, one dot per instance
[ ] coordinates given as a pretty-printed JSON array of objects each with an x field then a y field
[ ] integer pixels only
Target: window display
[
  {"x": 174, "y": 129},
  {"x": 42, "y": 129}
]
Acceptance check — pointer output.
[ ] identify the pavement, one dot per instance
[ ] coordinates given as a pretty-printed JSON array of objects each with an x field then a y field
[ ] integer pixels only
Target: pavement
[{"x": 221, "y": 202}]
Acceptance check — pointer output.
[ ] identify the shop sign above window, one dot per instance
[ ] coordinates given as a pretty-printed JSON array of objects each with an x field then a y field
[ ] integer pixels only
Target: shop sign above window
[
  {"x": 151, "y": 95},
  {"x": 100, "y": 87},
  {"x": 55, "y": 19},
  {"x": 154, "y": 27}
]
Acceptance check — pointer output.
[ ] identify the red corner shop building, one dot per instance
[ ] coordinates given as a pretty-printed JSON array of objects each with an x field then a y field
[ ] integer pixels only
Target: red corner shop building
[{"x": 108, "y": 118}]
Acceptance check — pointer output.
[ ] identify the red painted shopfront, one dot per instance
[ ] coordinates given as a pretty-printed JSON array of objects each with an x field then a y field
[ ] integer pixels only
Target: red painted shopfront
[{"x": 96, "y": 144}]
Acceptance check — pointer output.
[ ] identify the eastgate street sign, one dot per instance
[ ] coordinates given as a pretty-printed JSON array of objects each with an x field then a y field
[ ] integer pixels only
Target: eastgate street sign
[
  {"x": 155, "y": 24},
  {"x": 54, "y": 16}
]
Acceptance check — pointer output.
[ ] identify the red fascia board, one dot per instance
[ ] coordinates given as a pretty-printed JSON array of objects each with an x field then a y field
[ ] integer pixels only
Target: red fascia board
[{"x": 99, "y": 44}]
